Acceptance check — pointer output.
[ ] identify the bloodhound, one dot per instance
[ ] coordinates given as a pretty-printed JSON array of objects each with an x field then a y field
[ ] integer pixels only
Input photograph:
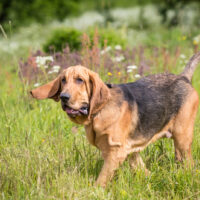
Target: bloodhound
[{"x": 122, "y": 119}]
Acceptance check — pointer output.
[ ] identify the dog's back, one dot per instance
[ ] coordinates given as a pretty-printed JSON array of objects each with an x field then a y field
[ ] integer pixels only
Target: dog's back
[{"x": 158, "y": 97}]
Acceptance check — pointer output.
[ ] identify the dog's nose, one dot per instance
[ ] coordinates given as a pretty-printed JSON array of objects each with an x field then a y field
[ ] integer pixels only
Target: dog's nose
[{"x": 65, "y": 97}]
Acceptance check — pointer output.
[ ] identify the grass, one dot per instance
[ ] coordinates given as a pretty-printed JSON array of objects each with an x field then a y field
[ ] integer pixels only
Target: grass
[{"x": 45, "y": 156}]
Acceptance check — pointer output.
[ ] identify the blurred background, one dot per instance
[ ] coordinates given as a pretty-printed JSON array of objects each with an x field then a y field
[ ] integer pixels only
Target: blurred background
[
  {"x": 169, "y": 12},
  {"x": 128, "y": 32},
  {"x": 36, "y": 18}
]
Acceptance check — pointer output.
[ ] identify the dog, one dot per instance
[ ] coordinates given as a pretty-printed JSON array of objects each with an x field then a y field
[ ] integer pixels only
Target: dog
[{"x": 122, "y": 119}]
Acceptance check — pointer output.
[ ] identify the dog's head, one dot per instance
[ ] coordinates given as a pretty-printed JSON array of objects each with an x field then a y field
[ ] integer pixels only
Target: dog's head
[{"x": 81, "y": 91}]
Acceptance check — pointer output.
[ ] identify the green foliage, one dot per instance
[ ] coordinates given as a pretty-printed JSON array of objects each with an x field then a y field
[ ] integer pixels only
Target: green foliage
[
  {"x": 110, "y": 37},
  {"x": 62, "y": 37},
  {"x": 25, "y": 12},
  {"x": 72, "y": 37}
]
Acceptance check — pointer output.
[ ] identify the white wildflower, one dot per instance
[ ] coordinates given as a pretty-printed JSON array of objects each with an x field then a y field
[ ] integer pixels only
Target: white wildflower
[
  {"x": 50, "y": 72},
  {"x": 49, "y": 58},
  {"x": 108, "y": 48},
  {"x": 118, "y": 47},
  {"x": 42, "y": 60},
  {"x": 132, "y": 67},
  {"x": 119, "y": 58},
  {"x": 137, "y": 76},
  {"x": 56, "y": 67},
  {"x": 55, "y": 70},
  {"x": 182, "y": 56},
  {"x": 129, "y": 70},
  {"x": 36, "y": 84},
  {"x": 102, "y": 52}
]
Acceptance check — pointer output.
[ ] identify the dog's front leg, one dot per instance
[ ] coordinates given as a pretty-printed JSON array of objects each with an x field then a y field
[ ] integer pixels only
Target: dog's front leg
[{"x": 112, "y": 160}]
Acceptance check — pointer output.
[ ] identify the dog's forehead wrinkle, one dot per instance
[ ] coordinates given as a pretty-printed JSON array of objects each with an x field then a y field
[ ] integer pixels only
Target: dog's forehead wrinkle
[{"x": 77, "y": 72}]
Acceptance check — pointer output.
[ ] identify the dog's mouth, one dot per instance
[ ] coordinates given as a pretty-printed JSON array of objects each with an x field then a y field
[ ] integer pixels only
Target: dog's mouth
[{"x": 76, "y": 112}]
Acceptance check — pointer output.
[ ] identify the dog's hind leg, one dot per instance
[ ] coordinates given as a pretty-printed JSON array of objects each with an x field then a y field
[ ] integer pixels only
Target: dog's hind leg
[
  {"x": 183, "y": 128},
  {"x": 136, "y": 162}
]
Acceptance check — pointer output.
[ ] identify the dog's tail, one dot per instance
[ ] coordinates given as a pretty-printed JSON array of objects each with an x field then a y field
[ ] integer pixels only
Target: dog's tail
[{"x": 191, "y": 66}]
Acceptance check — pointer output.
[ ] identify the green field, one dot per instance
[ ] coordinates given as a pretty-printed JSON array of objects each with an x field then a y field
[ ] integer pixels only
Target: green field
[{"x": 45, "y": 156}]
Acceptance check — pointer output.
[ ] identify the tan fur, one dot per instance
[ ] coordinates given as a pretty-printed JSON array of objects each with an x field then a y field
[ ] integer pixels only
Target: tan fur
[
  {"x": 110, "y": 120},
  {"x": 183, "y": 127},
  {"x": 50, "y": 90}
]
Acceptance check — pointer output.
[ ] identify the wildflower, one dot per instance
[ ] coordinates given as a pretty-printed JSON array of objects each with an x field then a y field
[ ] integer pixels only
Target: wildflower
[
  {"x": 196, "y": 40},
  {"x": 53, "y": 71},
  {"x": 50, "y": 72},
  {"x": 119, "y": 73},
  {"x": 184, "y": 37},
  {"x": 182, "y": 56},
  {"x": 119, "y": 58},
  {"x": 131, "y": 67},
  {"x": 49, "y": 58},
  {"x": 43, "y": 140},
  {"x": 118, "y": 47},
  {"x": 56, "y": 67},
  {"x": 39, "y": 61},
  {"x": 36, "y": 84},
  {"x": 42, "y": 61},
  {"x": 137, "y": 76},
  {"x": 109, "y": 74},
  {"x": 108, "y": 48},
  {"x": 102, "y": 52},
  {"x": 123, "y": 193},
  {"x": 129, "y": 70}
]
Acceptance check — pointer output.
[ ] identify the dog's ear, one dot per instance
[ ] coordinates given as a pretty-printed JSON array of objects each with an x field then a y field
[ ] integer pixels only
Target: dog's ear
[
  {"x": 100, "y": 93},
  {"x": 50, "y": 90}
]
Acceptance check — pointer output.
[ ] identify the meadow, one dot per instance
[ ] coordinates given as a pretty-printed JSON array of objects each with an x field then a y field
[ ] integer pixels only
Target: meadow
[{"x": 45, "y": 156}]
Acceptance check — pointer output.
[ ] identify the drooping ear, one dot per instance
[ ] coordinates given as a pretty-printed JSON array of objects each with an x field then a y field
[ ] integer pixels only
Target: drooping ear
[
  {"x": 100, "y": 93},
  {"x": 50, "y": 90}
]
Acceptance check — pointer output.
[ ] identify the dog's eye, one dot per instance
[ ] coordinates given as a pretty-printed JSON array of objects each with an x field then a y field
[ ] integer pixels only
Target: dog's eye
[
  {"x": 79, "y": 80},
  {"x": 63, "y": 80}
]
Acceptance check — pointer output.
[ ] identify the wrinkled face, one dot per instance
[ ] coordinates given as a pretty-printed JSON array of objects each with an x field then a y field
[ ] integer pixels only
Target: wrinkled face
[
  {"x": 81, "y": 91},
  {"x": 75, "y": 91}
]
